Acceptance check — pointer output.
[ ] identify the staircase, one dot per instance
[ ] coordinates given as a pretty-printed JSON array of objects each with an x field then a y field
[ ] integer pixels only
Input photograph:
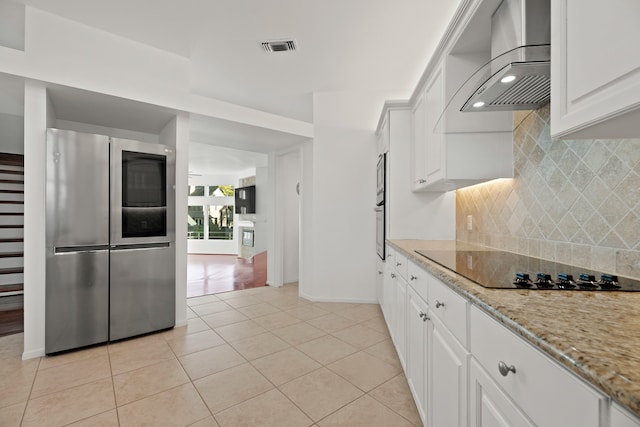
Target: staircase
[{"x": 11, "y": 243}]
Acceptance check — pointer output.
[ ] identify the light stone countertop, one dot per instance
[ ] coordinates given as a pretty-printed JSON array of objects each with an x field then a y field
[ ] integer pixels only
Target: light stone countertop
[{"x": 594, "y": 334}]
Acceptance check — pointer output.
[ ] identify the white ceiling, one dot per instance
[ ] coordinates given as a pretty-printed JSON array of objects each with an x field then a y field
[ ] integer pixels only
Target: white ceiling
[
  {"x": 343, "y": 45},
  {"x": 228, "y": 161},
  {"x": 357, "y": 45}
]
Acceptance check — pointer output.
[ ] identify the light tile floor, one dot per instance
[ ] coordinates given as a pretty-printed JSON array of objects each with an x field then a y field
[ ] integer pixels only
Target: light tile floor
[{"x": 255, "y": 357}]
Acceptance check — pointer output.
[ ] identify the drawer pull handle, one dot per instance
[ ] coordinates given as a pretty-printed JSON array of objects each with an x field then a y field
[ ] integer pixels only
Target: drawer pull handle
[
  {"x": 505, "y": 369},
  {"x": 398, "y": 264},
  {"x": 439, "y": 304},
  {"x": 412, "y": 277},
  {"x": 393, "y": 276},
  {"x": 424, "y": 316}
]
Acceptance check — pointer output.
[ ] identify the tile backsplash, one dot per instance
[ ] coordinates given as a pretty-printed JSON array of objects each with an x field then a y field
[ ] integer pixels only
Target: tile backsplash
[{"x": 572, "y": 201}]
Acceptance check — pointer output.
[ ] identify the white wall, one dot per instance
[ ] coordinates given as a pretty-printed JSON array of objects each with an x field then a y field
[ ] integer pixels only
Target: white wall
[
  {"x": 12, "y": 25},
  {"x": 264, "y": 194},
  {"x": 11, "y": 134},
  {"x": 306, "y": 243},
  {"x": 338, "y": 262},
  {"x": 288, "y": 213},
  {"x": 176, "y": 134},
  {"x": 103, "y": 130},
  {"x": 35, "y": 130},
  {"x": 69, "y": 53}
]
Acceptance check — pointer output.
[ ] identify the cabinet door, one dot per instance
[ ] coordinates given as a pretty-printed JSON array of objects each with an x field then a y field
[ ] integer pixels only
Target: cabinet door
[
  {"x": 400, "y": 308},
  {"x": 418, "y": 143},
  {"x": 489, "y": 406},
  {"x": 434, "y": 106},
  {"x": 448, "y": 366},
  {"x": 389, "y": 298},
  {"x": 416, "y": 359},
  {"x": 622, "y": 418},
  {"x": 380, "y": 265},
  {"x": 595, "y": 69}
]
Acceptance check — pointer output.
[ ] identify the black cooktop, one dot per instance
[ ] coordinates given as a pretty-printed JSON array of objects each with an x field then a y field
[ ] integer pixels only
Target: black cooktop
[{"x": 506, "y": 270}]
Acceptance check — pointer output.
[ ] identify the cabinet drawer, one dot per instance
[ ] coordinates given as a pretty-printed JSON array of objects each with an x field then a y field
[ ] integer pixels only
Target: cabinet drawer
[
  {"x": 417, "y": 278},
  {"x": 450, "y": 308},
  {"x": 400, "y": 263},
  {"x": 548, "y": 393}
]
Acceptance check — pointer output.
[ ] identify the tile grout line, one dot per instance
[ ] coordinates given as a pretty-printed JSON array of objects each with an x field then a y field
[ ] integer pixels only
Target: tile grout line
[
  {"x": 113, "y": 386},
  {"x": 321, "y": 364},
  {"x": 297, "y": 303},
  {"x": 26, "y": 405}
]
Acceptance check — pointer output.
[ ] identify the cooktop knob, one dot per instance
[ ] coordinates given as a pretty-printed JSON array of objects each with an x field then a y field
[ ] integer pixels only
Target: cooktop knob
[
  {"x": 608, "y": 281},
  {"x": 565, "y": 281},
  {"x": 544, "y": 281},
  {"x": 587, "y": 281},
  {"x": 522, "y": 280}
]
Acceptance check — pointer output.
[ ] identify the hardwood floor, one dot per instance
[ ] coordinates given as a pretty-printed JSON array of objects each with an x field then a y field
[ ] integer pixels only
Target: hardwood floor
[
  {"x": 212, "y": 274},
  {"x": 11, "y": 315}
]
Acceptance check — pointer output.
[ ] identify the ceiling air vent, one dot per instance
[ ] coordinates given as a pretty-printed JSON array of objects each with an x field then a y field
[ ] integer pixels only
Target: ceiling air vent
[{"x": 278, "y": 45}]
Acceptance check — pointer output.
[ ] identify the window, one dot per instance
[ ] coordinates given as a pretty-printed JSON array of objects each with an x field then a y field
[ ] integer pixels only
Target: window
[
  {"x": 196, "y": 190},
  {"x": 195, "y": 226},
  {"x": 221, "y": 222},
  {"x": 210, "y": 217}
]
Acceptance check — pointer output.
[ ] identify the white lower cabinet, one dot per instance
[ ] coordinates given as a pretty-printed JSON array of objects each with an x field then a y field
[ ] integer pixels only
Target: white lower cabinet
[
  {"x": 489, "y": 406},
  {"x": 436, "y": 364},
  {"x": 448, "y": 373},
  {"x": 380, "y": 282},
  {"x": 546, "y": 392},
  {"x": 400, "y": 335},
  {"x": 389, "y": 298},
  {"x": 465, "y": 368},
  {"x": 417, "y": 350},
  {"x": 394, "y": 306},
  {"x": 621, "y": 418}
]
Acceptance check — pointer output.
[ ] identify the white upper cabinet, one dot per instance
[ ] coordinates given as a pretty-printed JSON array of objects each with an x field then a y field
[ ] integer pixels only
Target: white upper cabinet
[
  {"x": 382, "y": 137},
  {"x": 452, "y": 149},
  {"x": 595, "y": 69}
]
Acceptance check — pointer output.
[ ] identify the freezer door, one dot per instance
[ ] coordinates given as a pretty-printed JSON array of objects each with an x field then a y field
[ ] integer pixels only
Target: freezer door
[
  {"x": 77, "y": 298},
  {"x": 77, "y": 192},
  {"x": 143, "y": 289}
]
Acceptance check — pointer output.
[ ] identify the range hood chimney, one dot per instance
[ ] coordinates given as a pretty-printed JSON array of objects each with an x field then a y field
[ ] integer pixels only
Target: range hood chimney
[{"x": 519, "y": 74}]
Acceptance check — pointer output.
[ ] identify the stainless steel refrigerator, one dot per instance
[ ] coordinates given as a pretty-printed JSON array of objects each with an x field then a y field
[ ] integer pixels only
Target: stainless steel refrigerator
[{"x": 110, "y": 227}]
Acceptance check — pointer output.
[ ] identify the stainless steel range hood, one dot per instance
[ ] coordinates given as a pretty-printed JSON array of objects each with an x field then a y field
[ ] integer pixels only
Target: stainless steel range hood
[{"x": 518, "y": 76}]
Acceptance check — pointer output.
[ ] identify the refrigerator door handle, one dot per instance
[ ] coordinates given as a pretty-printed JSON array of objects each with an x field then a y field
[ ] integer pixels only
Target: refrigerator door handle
[
  {"x": 84, "y": 249},
  {"x": 141, "y": 246}
]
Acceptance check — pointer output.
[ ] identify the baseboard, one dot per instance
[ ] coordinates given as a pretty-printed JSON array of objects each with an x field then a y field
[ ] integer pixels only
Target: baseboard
[
  {"x": 343, "y": 300},
  {"x": 33, "y": 354}
]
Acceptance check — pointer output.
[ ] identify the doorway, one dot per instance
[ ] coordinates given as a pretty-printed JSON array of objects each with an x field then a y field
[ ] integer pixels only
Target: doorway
[{"x": 212, "y": 274}]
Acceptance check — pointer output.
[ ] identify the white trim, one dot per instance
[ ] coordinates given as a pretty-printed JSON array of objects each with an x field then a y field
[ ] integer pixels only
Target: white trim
[
  {"x": 341, "y": 300},
  {"x": 32, "y": 354}
]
